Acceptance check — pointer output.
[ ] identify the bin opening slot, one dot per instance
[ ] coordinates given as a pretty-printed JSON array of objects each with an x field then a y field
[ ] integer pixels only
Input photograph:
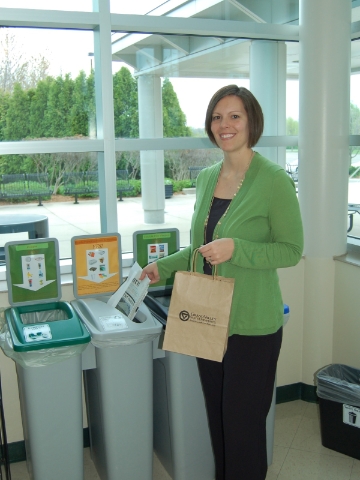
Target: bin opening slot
[
  {"x": 43, "y": 316},
  {"x": 140, "y": 317}
]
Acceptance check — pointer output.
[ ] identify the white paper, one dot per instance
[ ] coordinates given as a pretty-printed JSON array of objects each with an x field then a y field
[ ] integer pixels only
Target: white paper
[{"x": 131, "y": 293}]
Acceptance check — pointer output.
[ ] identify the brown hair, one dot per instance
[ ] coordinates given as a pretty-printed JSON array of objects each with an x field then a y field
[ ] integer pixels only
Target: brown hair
[{"x": 252, "y": 108}]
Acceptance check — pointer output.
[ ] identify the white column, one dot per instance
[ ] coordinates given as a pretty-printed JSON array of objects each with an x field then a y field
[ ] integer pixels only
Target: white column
[
  {"x": 268, "y": 84},
  {"x": 151, "y": 162},
  {"x": 105, "y": 118},
  {"x": 324, "y": 82}
]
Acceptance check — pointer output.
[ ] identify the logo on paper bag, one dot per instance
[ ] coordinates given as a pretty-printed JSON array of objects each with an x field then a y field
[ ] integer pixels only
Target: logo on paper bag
[{"x": 184, "y": 315}]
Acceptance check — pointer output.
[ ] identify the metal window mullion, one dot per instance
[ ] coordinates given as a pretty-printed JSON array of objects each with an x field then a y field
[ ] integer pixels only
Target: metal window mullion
[{"x": 105, "y": 118}]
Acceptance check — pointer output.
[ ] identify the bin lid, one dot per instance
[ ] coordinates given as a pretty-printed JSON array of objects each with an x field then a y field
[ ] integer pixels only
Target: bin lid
[
  {"x": 96, "y": 264},
  {"x": 109, "y": 326},
  {"x": 35, "y": 327},
  {"x": 32, "y": 271}
]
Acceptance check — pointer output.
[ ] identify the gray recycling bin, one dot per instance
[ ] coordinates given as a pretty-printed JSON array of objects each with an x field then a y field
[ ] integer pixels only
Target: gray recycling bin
[
  {"x": 119, "y": 390},
  {"x": 181, "y": 434},
  {"x": 45, "y": 338}
]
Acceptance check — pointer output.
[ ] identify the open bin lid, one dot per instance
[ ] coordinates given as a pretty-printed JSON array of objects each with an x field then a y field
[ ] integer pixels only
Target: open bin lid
[
  {"x": 96, "y": 264},
  {"x": 32, "y": 271},
  {"x": 109, "y": 327},
  {"x": 44, "y": 330}
]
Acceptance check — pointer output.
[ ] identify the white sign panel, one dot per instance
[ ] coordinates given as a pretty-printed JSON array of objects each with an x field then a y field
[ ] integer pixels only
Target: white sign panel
[
  {"x": 351, "y": 415},
  {"x": 37, "y": 333},
  {"x": 115, "y": 322}
]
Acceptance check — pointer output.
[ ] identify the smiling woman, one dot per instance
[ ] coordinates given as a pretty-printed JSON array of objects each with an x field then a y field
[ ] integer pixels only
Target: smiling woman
[{"x": 246, "y": 222}]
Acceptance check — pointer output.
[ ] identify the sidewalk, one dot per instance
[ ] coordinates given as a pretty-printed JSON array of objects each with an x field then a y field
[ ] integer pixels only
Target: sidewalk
[{"x": 67, "y": 219}]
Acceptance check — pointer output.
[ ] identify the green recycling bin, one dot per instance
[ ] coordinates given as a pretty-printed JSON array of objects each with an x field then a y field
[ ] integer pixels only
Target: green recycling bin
[{"x": 45, "y": 338}]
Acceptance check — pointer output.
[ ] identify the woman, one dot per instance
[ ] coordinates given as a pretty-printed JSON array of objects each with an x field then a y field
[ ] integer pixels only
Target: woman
[{"x": 247, "y": 221}]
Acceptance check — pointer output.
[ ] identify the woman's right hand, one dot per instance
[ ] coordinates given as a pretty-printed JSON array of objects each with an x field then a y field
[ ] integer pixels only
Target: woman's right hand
[{"x": 152, "y": 272}]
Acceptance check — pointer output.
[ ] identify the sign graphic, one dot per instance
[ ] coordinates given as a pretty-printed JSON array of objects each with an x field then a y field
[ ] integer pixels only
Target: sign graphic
[
  {"x": 156, "y": 251},
  {"x": 351, "y": 415},
  {"x": 97, "y": 262},
  {"x": 33, "y": 272}
]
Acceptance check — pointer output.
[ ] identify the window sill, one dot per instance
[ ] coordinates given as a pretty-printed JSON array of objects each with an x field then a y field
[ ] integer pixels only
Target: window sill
[{"x": 352, "y": 256}]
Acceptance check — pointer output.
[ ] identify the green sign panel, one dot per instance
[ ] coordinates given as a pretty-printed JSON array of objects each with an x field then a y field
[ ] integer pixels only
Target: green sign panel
[
  {"x": 32, "y": 271},
  {"x": 151, "y": 245}
]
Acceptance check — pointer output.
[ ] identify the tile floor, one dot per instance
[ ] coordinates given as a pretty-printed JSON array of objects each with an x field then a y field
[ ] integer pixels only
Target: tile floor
[{"x": 298, "y": 453}]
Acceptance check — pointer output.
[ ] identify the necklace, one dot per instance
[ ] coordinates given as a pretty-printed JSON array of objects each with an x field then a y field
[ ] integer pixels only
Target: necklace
[{"x": 227, "y": 209}]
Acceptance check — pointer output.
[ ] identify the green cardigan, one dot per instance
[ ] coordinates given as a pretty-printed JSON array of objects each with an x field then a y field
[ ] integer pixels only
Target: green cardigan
[{"x": 264, "y": 221}]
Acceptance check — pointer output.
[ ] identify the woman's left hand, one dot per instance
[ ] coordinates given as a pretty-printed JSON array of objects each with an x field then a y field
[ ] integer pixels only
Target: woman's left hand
[{"x": 218, "y": 251}]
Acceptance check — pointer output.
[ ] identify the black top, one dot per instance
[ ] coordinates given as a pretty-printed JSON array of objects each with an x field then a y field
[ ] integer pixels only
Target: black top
[{"x": 218, "y": 208}]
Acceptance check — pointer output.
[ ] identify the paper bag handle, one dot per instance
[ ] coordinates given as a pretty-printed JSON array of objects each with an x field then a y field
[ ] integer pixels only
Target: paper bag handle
[{"x": 193, "y": 263}]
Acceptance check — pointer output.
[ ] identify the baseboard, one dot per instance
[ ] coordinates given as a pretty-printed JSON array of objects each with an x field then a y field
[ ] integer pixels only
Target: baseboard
[
  {"x": 286, "y": 393},
  {"x": 296, "y": 391}
]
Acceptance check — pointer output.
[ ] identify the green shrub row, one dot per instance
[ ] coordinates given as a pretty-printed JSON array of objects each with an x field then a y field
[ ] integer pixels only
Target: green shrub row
[{"x": 178, "y": 185}]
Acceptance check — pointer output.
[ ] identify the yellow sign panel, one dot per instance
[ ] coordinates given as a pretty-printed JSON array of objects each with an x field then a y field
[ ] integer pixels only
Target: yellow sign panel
[{"x": 97, "y": 265}]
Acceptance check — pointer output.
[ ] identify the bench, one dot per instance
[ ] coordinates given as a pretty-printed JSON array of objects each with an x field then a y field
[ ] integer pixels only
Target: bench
[
  {"x": 75, "y": 184},
  {"x": 194, "y": 172},
  {"x": 82, "y": 183},
  {"x": 24, "y": 185},
  {"x": 122, "y": 183}
]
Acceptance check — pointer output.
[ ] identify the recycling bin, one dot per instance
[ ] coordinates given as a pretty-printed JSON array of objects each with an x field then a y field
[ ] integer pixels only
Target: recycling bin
[
  {"x": 181, "y": 433},
  {"x": 119, "y": 389},
  {"x": 338, "y": 389},
  {"x": 45, "y": 338}
]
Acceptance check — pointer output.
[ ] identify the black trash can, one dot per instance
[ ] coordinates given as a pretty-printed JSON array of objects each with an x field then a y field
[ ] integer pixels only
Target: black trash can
[{"x": 338, "y": 389}]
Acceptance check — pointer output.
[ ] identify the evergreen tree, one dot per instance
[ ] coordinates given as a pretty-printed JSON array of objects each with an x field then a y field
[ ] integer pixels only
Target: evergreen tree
[
  {"x": 18, "y": 113},
  {"x": 354, "y": 129},
  {"x": 59, "y": 105},
  {"x": 126, "y": 115},
  {"x": 90, "y": 102},
  {"x": 79, "y": 114},
  {"x": 354, "y": 119},
  {"x": 174, "y": 117},
  {"x": 4, "y": 105},
  {"x": 292, "y": 126},
  {"x": 39, "y": 126}
]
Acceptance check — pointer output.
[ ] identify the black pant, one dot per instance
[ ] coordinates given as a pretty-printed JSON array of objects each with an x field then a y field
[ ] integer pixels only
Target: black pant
[{"x": 238, "y": 393}]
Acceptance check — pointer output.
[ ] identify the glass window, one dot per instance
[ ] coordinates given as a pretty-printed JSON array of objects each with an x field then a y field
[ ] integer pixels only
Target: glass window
[
  {"x": 65, "y": 5},
  {"x": 64, "y": 184},
  {"x": 354, "y": 159},
  {"x": 354, "y": 193},
  {"x": 46, "y": 84}
]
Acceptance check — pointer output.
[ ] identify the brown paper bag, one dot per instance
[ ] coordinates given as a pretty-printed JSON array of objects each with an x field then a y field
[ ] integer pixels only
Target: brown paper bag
[{"x": 199, "y": 312}]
